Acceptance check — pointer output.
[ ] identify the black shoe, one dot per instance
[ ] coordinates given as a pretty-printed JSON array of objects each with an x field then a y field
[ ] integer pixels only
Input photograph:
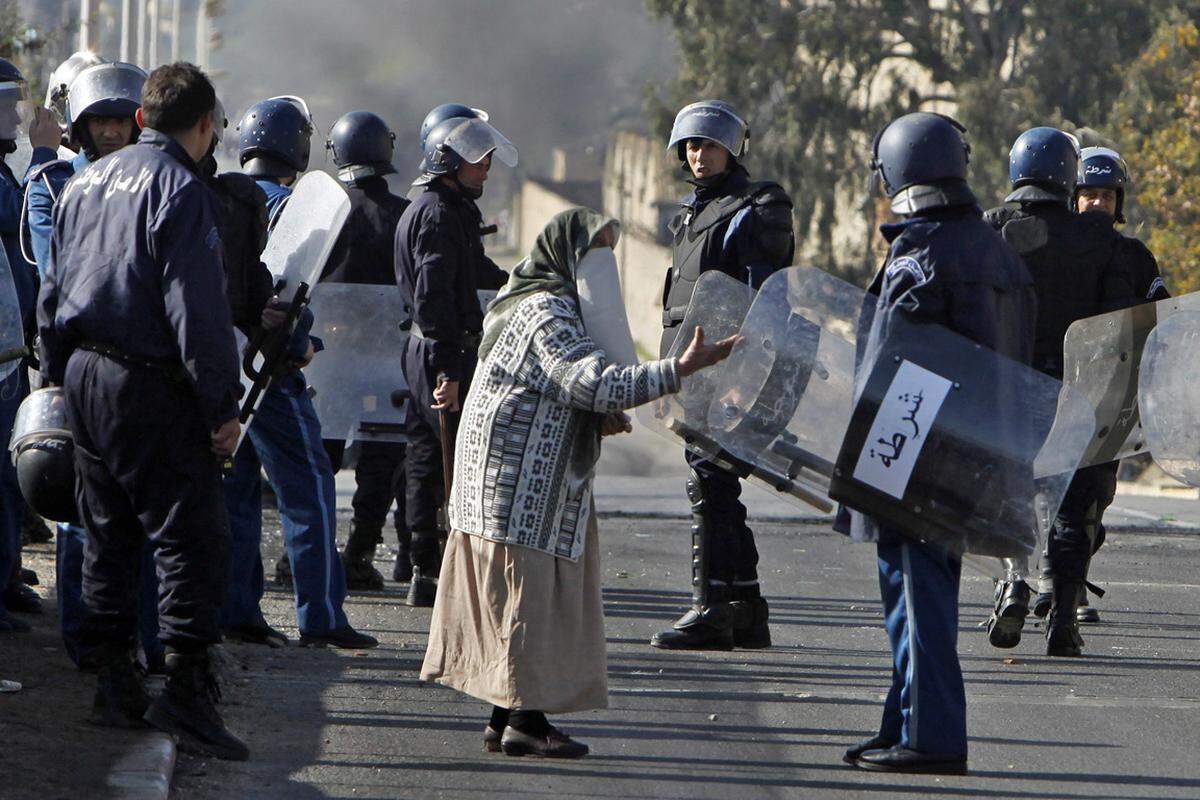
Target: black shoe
[
  {"x": 256, "y": 633},
  {"x": 874, "y": 743},
  {"x": 283, "y": 572},
  {"x": 11, "y": 624},
  {"x": 343, "y": 638},
  {"x": 121, "y": 700},
  {"x": 422, "y": 591},
  {"x": 491, "y": 740},
  {"x": 22, "y": 599},
  {"x": 186, "y": 708},
  {"x": 402, "y": 572},
  {"x": 901, "y": 759},
  {"x": 750, "y": 615},
  {"x": 1062, "y": 626},
  {"x": 708, "y": 628},
  {"x": 555, "y": 744},
  {"x": 29, "y": 577},
  {"x": 1086, "y": 613},
  {"x": 1008, "y": 614},
  {"x": 361, "y": 576},
  {"x": 34, "y": 529}
]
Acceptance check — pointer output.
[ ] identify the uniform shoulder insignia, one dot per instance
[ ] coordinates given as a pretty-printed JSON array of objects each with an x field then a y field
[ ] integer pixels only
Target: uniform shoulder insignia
[
  {"x": 46, "y": 166},
  {"x": 907, "y": 269}
]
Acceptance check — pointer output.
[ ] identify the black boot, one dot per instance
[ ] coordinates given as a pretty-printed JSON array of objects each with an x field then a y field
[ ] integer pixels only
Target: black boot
[
  {"x": 427, "y": 561},
  {"x": 1008, "y": 614},
  {"x": 121, "y": 700},
  {"x": 403, "y": 569},
  {"x": 187, "y": 709},
  {"x": 423, "y": 589},
  {"x": 358, "y": 555},
  {"x": 750, "y": 613},
  {"x": 34, "y": 529},
  {"x": 708, "y": 624},
  {"x": 283, "y": 571},
  {"x": 1062, "y": 628}
]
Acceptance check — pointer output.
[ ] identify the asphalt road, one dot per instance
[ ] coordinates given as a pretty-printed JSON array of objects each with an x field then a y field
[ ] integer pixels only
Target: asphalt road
[{"x": 1124, "y": 721}]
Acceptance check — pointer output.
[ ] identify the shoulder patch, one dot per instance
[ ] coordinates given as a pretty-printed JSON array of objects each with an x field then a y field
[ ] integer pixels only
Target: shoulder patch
[
  {"x": 1156, "y": 287},
  {"x": 905, "y": 266},
  {"x": 213, "y": 239}
]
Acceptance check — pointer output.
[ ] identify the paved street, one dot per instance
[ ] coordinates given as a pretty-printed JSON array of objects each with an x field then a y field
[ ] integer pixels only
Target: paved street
[{"x": 1122, "y": 722}]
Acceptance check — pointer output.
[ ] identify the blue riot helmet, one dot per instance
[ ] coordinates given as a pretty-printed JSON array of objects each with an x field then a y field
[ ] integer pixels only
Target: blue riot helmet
[
  {"x": 274, "y": 137},
  {"x": 459, "y": 139},
  {"x": 447, "y": 111},
  {"x": 362, "y": 146},
  {"x": 1043, "y": 166},
  {"x": 921, "y": 160},
  {"x": 1103, "y": 168},
  {"x": 13, "y": 91},
  {"x": 714, "y": 120},
  {"x": 104, "y": 90}
]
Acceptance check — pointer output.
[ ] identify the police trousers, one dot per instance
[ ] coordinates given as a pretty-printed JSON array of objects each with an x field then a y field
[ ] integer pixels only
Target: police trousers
[
  {"x": 1077, "y": 531},
  {"x": 732, "y": 554},
  {"x": 13, "y": 390},
  {"x": 145, "y": 471},
  {"x": 284, "y": 439}
]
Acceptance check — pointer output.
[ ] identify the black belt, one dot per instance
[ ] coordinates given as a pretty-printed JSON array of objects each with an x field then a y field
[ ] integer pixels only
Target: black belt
[{"x": 173, "y": 369}]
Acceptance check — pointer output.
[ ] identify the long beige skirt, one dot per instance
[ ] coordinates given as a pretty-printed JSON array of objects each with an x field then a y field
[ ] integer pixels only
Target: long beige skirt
[{"x": 519, "y": 628}]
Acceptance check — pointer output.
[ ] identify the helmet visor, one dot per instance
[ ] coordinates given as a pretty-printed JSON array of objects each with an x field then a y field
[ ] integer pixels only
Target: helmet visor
[
  {"x": 302, "y": 106},
  {"x": 474, "y": 139},
  {"x": 15, "y": 110}
]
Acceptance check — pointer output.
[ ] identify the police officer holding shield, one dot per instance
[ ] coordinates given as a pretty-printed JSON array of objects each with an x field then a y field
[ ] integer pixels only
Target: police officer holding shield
[
  {"x": 946, "y": 267},
  {"x": 1075, "y": 263},
  {"x": 441, "y": 268},
  {"x": 362, "y": 146},
  {"x": 744, "y": 229}
]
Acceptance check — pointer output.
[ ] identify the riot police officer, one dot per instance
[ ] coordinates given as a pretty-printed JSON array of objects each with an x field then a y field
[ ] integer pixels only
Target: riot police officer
[
  {"x": 100, "y": 105},
  {"x": 362, "y": 146},
  {"x": 1073, "y": 259},
  {"x": 16, "y": 595},
  {"x": 744, "y": 229},
  {"x": 946, "y": 267},
  {"x": 150, "y": 379},
  {"x": 440, "y": 269},
  {"x": 284, "y": 437}
]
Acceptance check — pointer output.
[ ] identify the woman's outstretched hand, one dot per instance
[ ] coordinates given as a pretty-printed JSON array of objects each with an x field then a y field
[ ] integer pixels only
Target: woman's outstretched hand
[
  {"x": 613, "y": 424},
  {"x": 699, "y": 354}
]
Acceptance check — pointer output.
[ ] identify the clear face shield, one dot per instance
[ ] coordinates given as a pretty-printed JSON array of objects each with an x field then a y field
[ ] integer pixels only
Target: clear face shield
[
  {"x": 15, "y": 110},
  {"x": 474, "y": 139}
]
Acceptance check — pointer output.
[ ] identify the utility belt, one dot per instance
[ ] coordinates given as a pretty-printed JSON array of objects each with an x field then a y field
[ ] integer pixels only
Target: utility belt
[
  {"x": 470, "y": 339},
  {"x": 173, "y": 370},
  {"x": 673, "y": 316}
]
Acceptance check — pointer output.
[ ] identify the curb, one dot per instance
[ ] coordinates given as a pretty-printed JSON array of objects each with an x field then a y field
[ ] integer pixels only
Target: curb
[{"x": 144, "y": 771}]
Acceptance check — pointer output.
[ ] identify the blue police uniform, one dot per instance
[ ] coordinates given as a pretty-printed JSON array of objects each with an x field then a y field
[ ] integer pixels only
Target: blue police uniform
[
  {"x": 44, "y": 186},
  {"x": 15, "y": 387},
  {"x": 285, "y": 439},
  {"x": 946, "y": 267},
  {"x": 135, "y": 326}
]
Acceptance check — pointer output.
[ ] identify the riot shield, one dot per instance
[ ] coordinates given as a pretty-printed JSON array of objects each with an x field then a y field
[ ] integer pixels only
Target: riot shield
[
  {"x": 305, "y": 232},
  {"x": 1101, "y": 360},
  {"x": 1169, "y": 395},
  {"x": 941, "y": 438},
  {"x": 359, "y": 390},
  {"x": 718, "y": 305},
  {"x": 12, "y": 329}
]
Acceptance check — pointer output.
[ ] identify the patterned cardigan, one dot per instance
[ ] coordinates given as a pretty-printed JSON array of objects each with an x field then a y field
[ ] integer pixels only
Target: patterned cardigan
[{"x": 528, "y": 439}]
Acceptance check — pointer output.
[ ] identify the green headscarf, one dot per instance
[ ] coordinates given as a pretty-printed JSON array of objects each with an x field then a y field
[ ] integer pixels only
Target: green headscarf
[{"x": 549, "y": 267}]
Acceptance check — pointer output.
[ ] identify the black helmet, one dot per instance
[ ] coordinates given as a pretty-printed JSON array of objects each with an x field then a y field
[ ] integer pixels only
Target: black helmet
[
  {"x": 446, "y": 111},
  {"x": 921, "y": 159},
  {"x": 714, "y": 120},
  {"x": 1103, "y": 168},
  {"x": 274, "y": 137},
  {"x": 362, "y": 146},
  {"x": 460, "y": 139},
  {"x": 9, "y": 72},
  {"x": 1043, "y": 166},
  {"x": 12, "y": 91},
  {"x": 104, "y": 90},
  {"x": 43, "y": 451}
]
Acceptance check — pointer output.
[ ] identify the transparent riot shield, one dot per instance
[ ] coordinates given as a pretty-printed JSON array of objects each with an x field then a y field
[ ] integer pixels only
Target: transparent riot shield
[
  {"x": 305, "y": 232},
  {"x": 359, "y": 390},
  {"x": 941, "y": 438},
  {"x": 1169, "y": 395},
  {"x": 12, "y": 330},
  {"x": 718, "y": 305},
  {"x": 1101, "y": 359}
]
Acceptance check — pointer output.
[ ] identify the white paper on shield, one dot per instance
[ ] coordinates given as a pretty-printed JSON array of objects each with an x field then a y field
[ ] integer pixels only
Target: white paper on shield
[{"x": 898, "y": 433}]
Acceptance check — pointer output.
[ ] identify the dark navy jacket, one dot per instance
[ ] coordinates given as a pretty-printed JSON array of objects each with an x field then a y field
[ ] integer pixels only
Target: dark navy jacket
[
  {"x": 440, "y": 265},
  {"x": 45, "y": 184},
  {"x": 135, "y": 265},
  {"x": 365, "y": 249},
  {"x": 1142, "y": 269},
  {"x": 947, "y": 267}
]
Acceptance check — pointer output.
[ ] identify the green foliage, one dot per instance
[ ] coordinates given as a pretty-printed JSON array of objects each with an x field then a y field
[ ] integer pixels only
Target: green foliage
[
  {"x": 1157, "y": 120},
  {"x": 817, "y": 82}
]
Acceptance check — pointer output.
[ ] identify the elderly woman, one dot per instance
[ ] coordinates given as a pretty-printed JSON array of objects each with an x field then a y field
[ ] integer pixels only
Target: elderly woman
[{"x": 518, "y": 621}]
